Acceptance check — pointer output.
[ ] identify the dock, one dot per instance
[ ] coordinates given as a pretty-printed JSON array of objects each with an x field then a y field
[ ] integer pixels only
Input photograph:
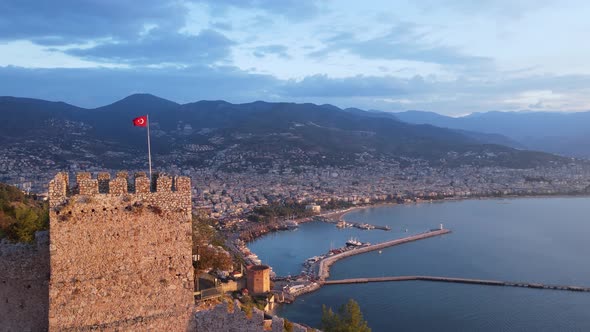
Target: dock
[
  {"x": 368, "y": 226},
  {"x": 459, "y": 280},
  {"x": 324, "y": 264},
  {"x": 323, "y": 270}
]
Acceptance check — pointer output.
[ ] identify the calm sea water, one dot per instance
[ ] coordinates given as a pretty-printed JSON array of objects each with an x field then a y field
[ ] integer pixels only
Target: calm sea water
[{"x": 532, "y": 239}]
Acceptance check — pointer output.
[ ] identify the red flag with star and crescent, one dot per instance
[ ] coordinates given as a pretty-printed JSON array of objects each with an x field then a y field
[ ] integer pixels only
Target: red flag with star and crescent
[{"x": 140, "y": 121}]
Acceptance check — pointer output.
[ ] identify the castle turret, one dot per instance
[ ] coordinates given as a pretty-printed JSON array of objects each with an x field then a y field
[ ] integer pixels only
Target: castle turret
[{"x": 120, "y": 253}]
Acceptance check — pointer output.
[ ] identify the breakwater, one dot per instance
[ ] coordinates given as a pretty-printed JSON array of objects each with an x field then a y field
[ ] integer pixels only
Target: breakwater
[
  {"x": 459, "y": 280},
  {"x": 324, "y": 264}
]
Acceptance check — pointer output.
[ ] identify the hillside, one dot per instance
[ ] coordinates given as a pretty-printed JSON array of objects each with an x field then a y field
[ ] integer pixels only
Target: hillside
[
  {"x": 560, "y": 133},
  {"x": 256, "y": 135},
  {"x": 20, "y": 215}
]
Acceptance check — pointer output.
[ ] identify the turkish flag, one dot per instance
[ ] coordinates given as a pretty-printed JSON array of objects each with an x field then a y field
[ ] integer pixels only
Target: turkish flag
[{"x": 140, "y": 121}]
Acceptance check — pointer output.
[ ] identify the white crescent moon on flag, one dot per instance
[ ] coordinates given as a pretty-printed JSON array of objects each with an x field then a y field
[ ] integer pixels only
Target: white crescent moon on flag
[{"x": 141, "y": 121}]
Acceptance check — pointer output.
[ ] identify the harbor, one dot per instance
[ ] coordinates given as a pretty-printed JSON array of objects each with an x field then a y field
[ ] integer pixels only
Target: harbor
[
  {"x": 317, "y": 269},
  {"x": 479, "y": 248}
]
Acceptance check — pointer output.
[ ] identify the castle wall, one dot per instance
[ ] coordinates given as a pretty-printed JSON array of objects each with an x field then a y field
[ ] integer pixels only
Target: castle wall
[
  {"x": 229, "y": 318},
  {"x": 120, "y": 260},
  {"x": 24, "y": 285}
]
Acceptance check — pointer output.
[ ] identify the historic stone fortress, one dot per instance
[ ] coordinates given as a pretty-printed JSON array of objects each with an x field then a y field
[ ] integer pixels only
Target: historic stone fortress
[
  {"x": 118, "y": 258},
  {"x": 120, "y": 253}
]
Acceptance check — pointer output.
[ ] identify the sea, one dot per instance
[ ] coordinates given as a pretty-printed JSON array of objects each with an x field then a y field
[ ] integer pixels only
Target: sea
[{"x": 542, "y": 240}]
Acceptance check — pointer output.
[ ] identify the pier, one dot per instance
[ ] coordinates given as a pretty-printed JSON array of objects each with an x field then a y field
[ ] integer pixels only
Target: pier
[
  {"x": 366, "y": 226},
  {"x": 324, "y": 264},
  {"x": 459, "y": 280}
]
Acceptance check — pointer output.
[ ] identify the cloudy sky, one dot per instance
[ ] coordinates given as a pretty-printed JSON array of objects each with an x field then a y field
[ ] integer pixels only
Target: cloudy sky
[{"x": 448, "y": 56}]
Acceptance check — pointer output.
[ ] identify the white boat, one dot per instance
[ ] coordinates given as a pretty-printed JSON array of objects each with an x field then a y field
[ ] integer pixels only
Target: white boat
[{"x": 353, "y": 242}]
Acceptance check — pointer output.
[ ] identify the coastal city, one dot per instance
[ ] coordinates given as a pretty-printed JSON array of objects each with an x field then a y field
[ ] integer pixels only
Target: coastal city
[
  {"x": 327, "y": 193},
  {"x": 294, "y": 166},
  {"x": 231, "y": 195}
]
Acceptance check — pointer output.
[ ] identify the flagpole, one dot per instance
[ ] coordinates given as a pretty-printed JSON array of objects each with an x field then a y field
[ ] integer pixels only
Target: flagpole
[{"x": 149, "y": 148}]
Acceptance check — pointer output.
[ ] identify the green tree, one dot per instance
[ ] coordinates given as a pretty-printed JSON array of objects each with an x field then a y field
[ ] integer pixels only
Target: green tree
[
  {"x": 27, "y": 223},
  {"x": 21, "y": 215},
  {"x": 348, "y": 319},
  {"x": 330, "y": 321},
  {"x": 204, "y": 234}
]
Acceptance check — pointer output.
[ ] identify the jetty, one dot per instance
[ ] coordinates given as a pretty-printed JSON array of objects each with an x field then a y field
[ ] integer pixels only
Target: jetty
[
  {"x": 323, "y": 270},
  {"x": 324, "y": 264},
  {"x": 459, "y": 280},
  {"x": 366, "y": 226}
]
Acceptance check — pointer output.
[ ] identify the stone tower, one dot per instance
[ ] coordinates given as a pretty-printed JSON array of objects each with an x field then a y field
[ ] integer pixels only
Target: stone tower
[
  {"x": 120, "y": 253},
  {"x": 258, "y": 279}
]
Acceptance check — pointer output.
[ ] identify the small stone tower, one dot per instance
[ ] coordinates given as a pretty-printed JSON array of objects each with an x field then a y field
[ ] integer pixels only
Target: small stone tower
[
  {"x": 120, "y": 253},
  {"x": 258, "y": 279}
]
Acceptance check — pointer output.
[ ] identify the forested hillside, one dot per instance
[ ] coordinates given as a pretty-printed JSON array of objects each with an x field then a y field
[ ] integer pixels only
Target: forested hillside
[{"x": 21, "y": 215}]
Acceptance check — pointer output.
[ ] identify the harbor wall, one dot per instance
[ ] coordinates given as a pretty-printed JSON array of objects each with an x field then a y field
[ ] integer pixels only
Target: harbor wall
[
  {"x": 460, "y": 281},
  {"x": 324, "y": 265}
]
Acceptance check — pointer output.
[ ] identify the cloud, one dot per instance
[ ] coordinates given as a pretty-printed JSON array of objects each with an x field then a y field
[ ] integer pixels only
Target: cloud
[
  {"x": 222, "y": 26},
  {"x": 357, "y": 86},
  {"x": 93, "y": 87},
  {"x": 499, "y": 9},
  {"x": 159, "y": 46},
  {"x": 63, "y": 22},
  {"x": 402, "y": 42},
  {"x": 295, "y": 10},
  {"x": 279, "y": 50}
]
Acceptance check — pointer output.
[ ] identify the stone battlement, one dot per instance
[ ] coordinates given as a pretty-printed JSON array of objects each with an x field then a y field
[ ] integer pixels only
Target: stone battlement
[
  {"x": 120, "y": 252},
  {"x": 103, "y": 184},
  {"x": 61, "y": 191}
]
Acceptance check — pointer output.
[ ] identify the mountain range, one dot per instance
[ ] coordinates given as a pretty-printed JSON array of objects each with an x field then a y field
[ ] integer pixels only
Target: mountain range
[
  {"x": 218, "y": 133},
  {"x": 566, "y": 134}
]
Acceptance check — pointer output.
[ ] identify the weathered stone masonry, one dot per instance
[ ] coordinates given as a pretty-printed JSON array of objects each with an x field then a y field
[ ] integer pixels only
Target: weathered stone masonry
[
  {"x": 120, "y": 253},
  {"x": 228, "y": 317},
  {"x": 24, "y": 285}
]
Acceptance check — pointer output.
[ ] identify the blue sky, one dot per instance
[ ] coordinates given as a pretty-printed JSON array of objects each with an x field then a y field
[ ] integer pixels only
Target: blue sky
[{"x": 448, "y": 56}]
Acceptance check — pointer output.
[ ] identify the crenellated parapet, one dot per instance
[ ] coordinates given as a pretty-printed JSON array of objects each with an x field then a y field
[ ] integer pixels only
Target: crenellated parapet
[
  {"x": 120, "y": 251},
  {"x": 164, "y": 190},
  {"x": 58, "y": 189},
  {"x": 142, "y": 183}
]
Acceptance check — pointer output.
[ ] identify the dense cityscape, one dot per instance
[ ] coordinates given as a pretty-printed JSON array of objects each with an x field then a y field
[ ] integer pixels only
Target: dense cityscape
[{"x": 228, "y": 195}]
